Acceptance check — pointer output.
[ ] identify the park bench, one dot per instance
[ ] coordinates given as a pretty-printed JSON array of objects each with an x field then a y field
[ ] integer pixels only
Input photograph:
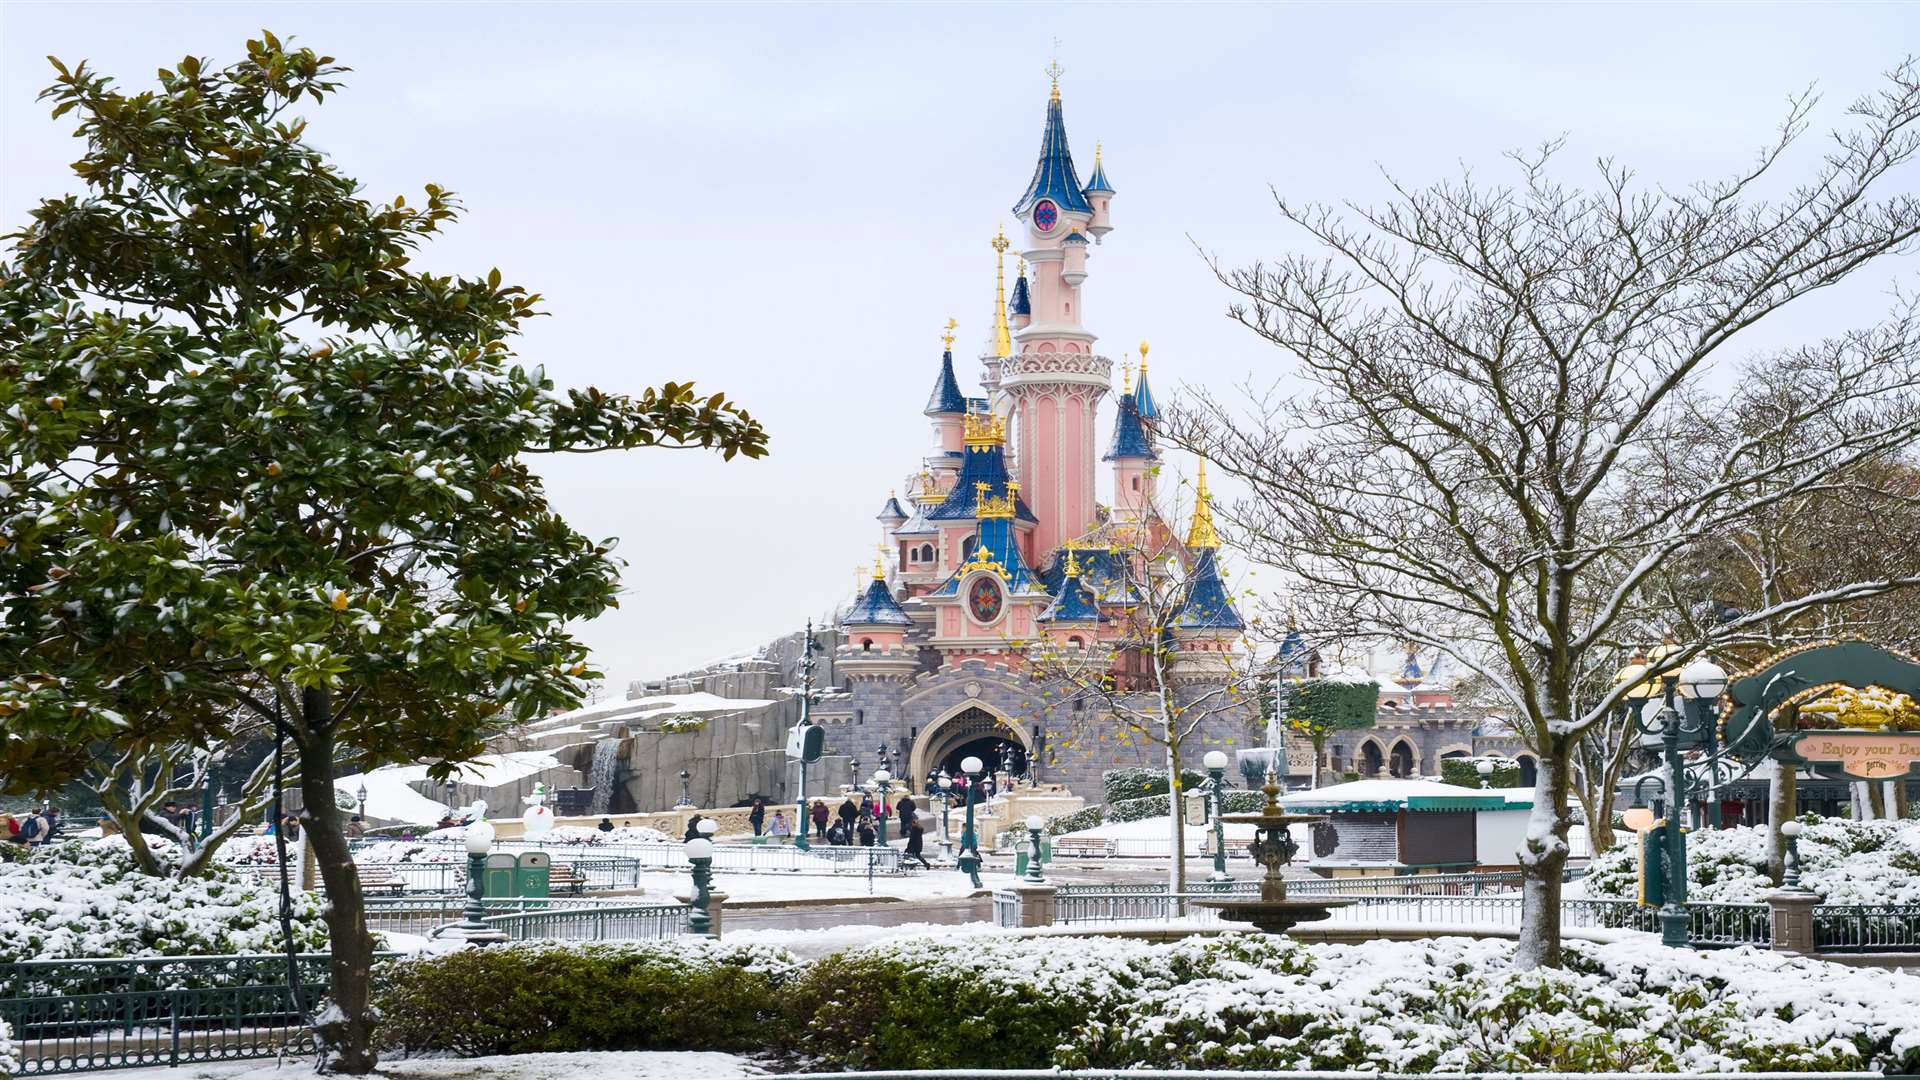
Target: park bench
[
  {"x": 562, "y": 879},
  {"x": 1082, "y": 847},
  {"x": 380, "y": 879}
]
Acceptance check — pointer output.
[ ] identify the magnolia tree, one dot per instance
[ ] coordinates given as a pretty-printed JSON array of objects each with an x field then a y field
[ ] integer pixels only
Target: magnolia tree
[
  {"x": 1156, "y": 681},
  {"x": 258, "y": 465},
  {"x": 1490, "y": 374}
]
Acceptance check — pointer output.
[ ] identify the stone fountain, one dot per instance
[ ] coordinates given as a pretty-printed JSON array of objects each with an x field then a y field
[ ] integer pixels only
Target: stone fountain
[{"x": 1272, "y": 848}]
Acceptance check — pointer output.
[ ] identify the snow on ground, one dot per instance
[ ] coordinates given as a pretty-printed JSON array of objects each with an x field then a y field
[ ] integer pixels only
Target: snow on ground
[
  {"x": 926, "y": 885},
  {"x": 620, "y": 1065},
  {"x": 1159, "y": 829},
  {"x": 656, "y": 707},
  {"x": 815, "y": 943},
  {"x": 391, "y": 797}
]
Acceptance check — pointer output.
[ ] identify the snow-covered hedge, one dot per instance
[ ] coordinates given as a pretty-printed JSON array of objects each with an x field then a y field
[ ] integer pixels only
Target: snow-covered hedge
[
  {"x": 1084, "y": 818},
  {"x": 8, "y": 1064},
  {"x": 1138, "y": 782},
  {"x": 1254, "y": 1002},
  {"x": 1845, "y": 861},
  {"x": 690, "y": 994},
  {"x": 576, "y": 834},
  {"x": 87, "y": 898}
]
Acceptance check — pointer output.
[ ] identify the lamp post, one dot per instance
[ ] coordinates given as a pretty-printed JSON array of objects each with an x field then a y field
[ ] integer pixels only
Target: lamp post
[
  {"x": 1485, "y": 768},
  {"x": 686, "y": 791},
  {"x": 944, "y": 783},
  {"x": 853, "y": 774},
  {"x": 206, "y": 805},
  {"x": 881, "y": 784},
  {"x": 1034, "y": 824},
  {"x": 1216, "y": 763},
  {"x": 1791, "y": 830},
  {"x": 1699, "y": 684},
  {"x": 700, "y": 856},
  {"x": 473, "y": 926},
  {"x": 969, "y": 862},
  {"x": 360, "y": 796}
]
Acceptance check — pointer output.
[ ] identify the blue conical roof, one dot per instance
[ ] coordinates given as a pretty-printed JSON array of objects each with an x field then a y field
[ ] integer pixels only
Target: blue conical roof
[
  {"x": 1021, "y": 304},
  {"x": 996, "y": 542},
  {"x": 1291, "y": 661},
  {"x": 877, "y": 607},
  {"x": 982, "y": 465},
  {"x": 1053, "y": 176},
  {"x": 892, "y": 511},
  {"x": 1208, "y": 606},
  {"x": 1143, "y": 397},
  {"x": 1098, "y": 181},
  {"x": 946, "y": 396},
  {"x": 1129, "y": 434},
  {"x": 1074, "y": 603}
]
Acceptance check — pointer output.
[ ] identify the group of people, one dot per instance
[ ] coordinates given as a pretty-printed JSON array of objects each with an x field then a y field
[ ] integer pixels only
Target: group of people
[
  {"x": 857, "y": 823},
  {"x": 33, "y": 828}
]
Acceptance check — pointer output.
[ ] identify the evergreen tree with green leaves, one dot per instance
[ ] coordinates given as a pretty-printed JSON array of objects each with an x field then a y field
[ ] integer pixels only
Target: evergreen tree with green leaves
[{"x": 258, "y": 464}]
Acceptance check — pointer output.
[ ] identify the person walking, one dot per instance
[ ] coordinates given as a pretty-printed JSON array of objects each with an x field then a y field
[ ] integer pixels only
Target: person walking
[
  {"x": 780, "y": 830},
  {"x": 906, "y": 809},
  {"x": 820, "y": 814},
  {"x": 34, "y": 831},
  {"x": 757, "y": 817},
  {"x": 355, "y": 828},
  {"x": 849, "y": 811},
  {"x": 866, "y": 832},
  {"x": 693, "y": 827},
  {"x": 916, "y": 839}
]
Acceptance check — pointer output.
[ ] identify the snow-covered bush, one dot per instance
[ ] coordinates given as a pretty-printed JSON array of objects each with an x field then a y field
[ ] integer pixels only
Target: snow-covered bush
[
  {"x": 1084, "y": 818},
  {"x": 576, "y": 834},
  {"x": 88, "y": 899},
  {"x": 1135, "y": 809},
  {"x": 8, "y": 1064},
  {"x": 1138, "y": 782},
  {"x": 689, "y": 994},
  {"x": 1845, "y": 861}
]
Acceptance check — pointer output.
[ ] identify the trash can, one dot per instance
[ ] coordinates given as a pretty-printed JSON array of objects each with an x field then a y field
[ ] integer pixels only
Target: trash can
[
  {"x": 532, "y": 877},
  {"x": 499, "y": 881}
]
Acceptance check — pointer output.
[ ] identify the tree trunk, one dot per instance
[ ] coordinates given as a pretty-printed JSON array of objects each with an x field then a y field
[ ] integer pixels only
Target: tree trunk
[
  {"x": 1543, "y": 858},
  {"x": 1319, "y": 756},
  {"x": 1902, "y": 801},
  {"x": 1177, "y": 869},
  {"x": 343, "y": 1032},
  {"x": 1779, "y": 810}
]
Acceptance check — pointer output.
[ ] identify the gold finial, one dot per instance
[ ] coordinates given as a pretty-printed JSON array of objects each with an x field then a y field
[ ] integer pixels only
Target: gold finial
[
  {"x": 1073, "y": 564},
  {"x": 880, "y": 563},
  {"x": 1000, "y": 241},
  {"x": 1126, "y": 374},
  {"x": 985, "y": 506},
  {"x": 1143, "y": 354},
  {"x": 1096, "y": 154},
  {"x": 1002, "y": 338},
  {"x": 1054, "y": 70},
  {"x": 1201, "y": 533},
  {"x": 946, "y": 339},
  {"x": 1022, "y": 270}
]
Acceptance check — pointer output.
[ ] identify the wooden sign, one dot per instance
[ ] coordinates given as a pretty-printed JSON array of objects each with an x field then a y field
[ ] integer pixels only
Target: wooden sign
[{"x": 1865, "y": 755}]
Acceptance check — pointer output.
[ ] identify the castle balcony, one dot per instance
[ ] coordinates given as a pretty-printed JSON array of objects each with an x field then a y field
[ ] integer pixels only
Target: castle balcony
[
  {"x": 877, "y": 662},
  {"x": 1028, "y": 368}
]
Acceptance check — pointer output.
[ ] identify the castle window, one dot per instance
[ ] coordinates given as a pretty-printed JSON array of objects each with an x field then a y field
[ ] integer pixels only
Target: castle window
[
  {"x": 1136, "y": 483},
  {"x": 926, "y": 552},
  {"x": 1075, "y": 641},
  {"x": 866, "y": 644},
  {"x": 859, "y": 716}
]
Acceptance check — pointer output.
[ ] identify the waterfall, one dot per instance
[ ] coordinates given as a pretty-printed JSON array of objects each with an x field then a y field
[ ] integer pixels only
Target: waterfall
[{"x": 606, "y": 758}]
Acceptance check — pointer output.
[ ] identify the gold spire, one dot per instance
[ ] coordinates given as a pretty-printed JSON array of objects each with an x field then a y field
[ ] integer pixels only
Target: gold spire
[
  {"x": 880, "y": 563},
  {"x": 1126, "y": 374},
  {"x": 1096, "y": 154},
  {"x": 1201, "y": 533},
  {"x": 1002, "y": 340},
  {"x": 946, "y": 339},
  {"x": 1054, "y": 71},
  {"x": 1073, "y": 564}
]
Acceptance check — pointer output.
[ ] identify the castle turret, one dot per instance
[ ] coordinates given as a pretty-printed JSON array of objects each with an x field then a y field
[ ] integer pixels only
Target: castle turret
[
  {"x": 947, "y": 408},
  {"x": 1073, "y": 619},
  {"x": 1020, "y": 308},
  {"x": 1099, "y": 193},
  {"x": 1133, "y": 463},
  {"x": 1052, "y": 384},
  {"x": 1143, "y": 402},
  {"x": 876, "y": 633},
  {"x": 1207, "y": 626}
]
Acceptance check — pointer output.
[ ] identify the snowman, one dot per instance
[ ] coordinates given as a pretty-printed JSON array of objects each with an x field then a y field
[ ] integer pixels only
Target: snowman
[{"x": 539, "y": 816}]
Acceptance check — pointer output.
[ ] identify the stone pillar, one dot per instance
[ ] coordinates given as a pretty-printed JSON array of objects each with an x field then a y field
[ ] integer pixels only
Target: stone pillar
[
  {"x": 716, "y": 905},
  {"x": 1790, "y": 912},
  {"x": 1024, "y": 905}
]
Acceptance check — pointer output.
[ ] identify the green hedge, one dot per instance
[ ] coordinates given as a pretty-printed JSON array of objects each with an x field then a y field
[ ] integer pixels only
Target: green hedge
[
  {"x": 1084, "y": 818},
  {"x": 1134, "y": 782},
  {"x": 551, "y": 997},
  {"x": 1465, "y": 772}
]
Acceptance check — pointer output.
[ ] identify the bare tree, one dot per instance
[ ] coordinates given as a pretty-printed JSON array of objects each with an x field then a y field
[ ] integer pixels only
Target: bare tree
[
  {"x": 1489, "y": 371},
  {"x": 1170, "y": 678}
]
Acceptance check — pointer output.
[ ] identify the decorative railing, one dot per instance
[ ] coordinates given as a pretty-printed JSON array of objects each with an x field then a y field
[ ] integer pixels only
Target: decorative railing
[
  {"x": 600, "y": 922},
  {"x": 1866, "y": 928},
  {"x": 634, "y": 858}
]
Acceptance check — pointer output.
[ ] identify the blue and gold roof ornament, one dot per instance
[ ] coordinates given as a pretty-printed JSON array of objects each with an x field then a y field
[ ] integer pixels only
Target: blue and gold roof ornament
[
  {"x": 876, "y": 606},
  {"x": 1022, "y": 303},
  {"x": 1143, "y": 397},
  {"x": 1002, "y": 337},
  {"x": 1207, "y": 607},
  {"x": 1129, "y": 433},
  {"x": 1075, "y": 602},
  {"x": 1098, "y": 181}
]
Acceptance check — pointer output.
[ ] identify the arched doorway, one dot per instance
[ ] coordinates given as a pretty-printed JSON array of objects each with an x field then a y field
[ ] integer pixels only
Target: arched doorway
[
  {"x": 1529, "y": 770},
  {"x": 1370, "y": 760},
  {"x": 1404, "y": 762},
  {"x": 969, "y": 730}
]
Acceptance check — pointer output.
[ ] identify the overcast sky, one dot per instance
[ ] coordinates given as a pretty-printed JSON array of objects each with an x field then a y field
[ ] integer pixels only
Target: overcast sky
[{"x": 786, "y": 202}]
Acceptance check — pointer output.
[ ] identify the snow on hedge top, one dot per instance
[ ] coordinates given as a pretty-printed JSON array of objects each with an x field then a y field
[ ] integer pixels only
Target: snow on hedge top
[
  {"x": 1845, "y": 861},
  {"x": 1377, "y": 792},
  {"x": 87, "y": 899}
]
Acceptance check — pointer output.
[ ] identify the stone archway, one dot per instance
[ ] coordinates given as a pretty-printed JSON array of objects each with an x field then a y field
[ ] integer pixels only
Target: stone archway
[
  {"x": 1529, "y": 770},
  {"x": 1369, "y": 759},
  {"x": 1403, "y": 762},
  {"x": 967, "y": 722}
]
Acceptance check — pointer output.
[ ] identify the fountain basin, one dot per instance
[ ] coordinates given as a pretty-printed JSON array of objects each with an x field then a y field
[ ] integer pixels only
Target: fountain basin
[{"x": 1273, "y": 916}]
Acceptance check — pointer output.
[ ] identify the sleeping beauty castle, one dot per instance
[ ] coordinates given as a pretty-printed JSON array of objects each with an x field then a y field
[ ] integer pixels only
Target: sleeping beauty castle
[
  {"x": 1001, "y": 544},
  {"x": 996, "y": 547}
]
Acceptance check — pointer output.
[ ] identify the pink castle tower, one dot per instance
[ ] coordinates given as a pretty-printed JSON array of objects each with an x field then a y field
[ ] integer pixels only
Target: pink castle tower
[{"x": 1050, "y": 387}]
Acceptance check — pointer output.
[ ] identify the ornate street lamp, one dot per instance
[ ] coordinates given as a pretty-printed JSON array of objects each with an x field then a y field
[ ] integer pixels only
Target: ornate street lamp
[
  {"x": 1216, "y": 763},
  {"x": 473, "y": 927},
  {"x": 1791, "y": 830},
  {"x": 1485, "y": 768},
  {"x": 853, "y": 774},
  {"x": 1034, "y": 824},
  {"x": 361, "y": 796},
  {"x": 686, "y": 792},
  {"x": 1703, "y": 681},
  {"x": 700, "y": 857},
  {"x": 943, "y": 782},
  {"x": 969, "y": 862},
  {"x": 1698, "y": 685},
  {"x": 881, "y": 784}
]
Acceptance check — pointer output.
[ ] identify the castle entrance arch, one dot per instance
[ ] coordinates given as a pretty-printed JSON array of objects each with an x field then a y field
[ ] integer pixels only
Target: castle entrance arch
[{"x": 972, "y": 729}]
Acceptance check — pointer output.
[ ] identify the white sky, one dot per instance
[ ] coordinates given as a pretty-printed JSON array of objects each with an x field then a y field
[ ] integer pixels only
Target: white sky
[{"x": 786, "y": 202}]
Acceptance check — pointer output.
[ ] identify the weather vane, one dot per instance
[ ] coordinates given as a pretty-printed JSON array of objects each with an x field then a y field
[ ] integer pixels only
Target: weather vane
[
  {"x": 1054, "y": 70},
  {"x": 947, "y": 338}
]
